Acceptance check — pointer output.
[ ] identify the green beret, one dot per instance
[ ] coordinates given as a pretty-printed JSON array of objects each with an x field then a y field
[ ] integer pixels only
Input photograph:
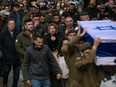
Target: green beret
[
  {"x": 85, "y": 46},
  {"x": 83, "y": 13},
  {"x": 27, "y": 20}
]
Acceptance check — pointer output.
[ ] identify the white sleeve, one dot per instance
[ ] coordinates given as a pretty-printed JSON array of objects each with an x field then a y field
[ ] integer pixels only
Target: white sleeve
[{"x": 103, "y": 84}]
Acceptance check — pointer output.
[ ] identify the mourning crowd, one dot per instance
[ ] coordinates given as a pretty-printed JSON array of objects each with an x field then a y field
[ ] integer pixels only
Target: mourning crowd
[{"x": 45, "y": 46}]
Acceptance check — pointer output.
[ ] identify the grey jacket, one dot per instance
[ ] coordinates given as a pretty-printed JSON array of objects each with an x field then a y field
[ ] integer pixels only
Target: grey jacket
[{"x": 38, "y": 63}]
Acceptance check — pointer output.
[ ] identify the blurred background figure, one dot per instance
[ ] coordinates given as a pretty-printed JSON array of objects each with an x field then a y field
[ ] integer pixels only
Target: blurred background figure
[{"x": 109, "y": 81}]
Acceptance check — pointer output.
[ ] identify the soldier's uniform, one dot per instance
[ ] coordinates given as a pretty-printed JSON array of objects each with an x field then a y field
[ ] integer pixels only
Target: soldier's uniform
[{"x": 109, "y": 82}]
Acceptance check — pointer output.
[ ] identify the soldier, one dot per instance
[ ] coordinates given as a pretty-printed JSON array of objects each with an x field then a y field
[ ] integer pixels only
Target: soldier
[
  {"x": 71, "y": 52},
  {"x": 84, "y": 16},
  {"x": 86, "y": 70}
]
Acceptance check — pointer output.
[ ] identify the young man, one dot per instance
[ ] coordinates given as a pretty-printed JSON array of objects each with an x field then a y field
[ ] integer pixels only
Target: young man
[
  {"x": 88, "y": 75},
  {"x": 71, "y": 53},
  {"x": 38, "y": 64}
]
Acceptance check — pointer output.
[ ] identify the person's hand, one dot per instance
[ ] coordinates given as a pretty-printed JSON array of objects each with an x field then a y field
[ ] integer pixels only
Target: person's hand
[
  {"x": 36, "y": 24},
  {"x": 28, "y": 82},
  {"x": 96, "y": 43},
  {"x": 79, "y": 29},
  {"x": 65, "y": 42},
  {"x": 59, "y": 76},
  {"x": 53, "y": 38},
  {"x": 84, "y": 32}
]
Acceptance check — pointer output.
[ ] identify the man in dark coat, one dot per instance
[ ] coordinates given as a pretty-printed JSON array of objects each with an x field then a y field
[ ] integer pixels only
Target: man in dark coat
[{"x": 10, "y": 55}]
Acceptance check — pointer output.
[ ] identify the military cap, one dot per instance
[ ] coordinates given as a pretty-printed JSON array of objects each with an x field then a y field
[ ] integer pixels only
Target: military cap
[
  {"x": 85, "y": 46},
  {"x": 83, "y": 13},
  {"x": 27, "y": 20}
]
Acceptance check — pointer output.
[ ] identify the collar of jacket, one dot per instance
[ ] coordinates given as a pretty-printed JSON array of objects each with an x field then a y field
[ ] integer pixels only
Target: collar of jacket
[
  {"x": 25, "y": 34},
  {"x": 36, "y": 47},
  {"x": 8, "y": 32}
]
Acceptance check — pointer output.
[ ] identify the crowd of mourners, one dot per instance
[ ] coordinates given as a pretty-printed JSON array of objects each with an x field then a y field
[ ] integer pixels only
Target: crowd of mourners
[{"x": 46, "y": 47}]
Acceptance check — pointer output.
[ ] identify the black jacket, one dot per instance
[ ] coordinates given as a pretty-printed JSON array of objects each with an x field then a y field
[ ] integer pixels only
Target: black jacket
[
  {"x": 7, "y": 46},
  {"x": 53, "y": 45},
  {"x": 38, "y": 63}
]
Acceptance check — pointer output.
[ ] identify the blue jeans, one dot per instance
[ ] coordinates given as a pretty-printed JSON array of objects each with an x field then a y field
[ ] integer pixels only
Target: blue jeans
[
  {"x": 41, "y": 83},
  {"x": 16, "y": 72}
]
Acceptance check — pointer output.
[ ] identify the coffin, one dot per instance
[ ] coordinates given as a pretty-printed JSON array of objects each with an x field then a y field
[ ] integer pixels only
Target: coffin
[{"x": 106, "y": 30}]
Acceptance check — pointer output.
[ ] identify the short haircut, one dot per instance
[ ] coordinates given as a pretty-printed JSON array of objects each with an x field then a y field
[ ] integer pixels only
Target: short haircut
[
  {"x": 69, "y": 17},
  {"x": 11, "y": 19},
  {"x": 27, "y": 20},
  {"x": 35, "y": 15},
  {"x": 42, "y": 15},
  {"x": 35, "y": 36}
]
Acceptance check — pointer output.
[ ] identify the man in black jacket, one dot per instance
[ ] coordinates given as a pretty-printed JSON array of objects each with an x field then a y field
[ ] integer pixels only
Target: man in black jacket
[
  {"x": 39, "y": 62},
  {"x": 10, "y": 55}
]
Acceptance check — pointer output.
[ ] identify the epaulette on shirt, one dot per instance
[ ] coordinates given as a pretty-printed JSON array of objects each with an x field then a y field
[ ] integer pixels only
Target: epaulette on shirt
[{"x": 107, "y": 78}]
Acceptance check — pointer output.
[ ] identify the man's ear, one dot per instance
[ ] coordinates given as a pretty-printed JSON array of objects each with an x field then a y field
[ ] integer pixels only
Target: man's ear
[{"x": 34, "y": 41}]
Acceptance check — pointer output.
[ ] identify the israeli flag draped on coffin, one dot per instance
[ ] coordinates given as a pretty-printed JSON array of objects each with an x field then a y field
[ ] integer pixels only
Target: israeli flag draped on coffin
[{"x": 106, "y": 30}]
